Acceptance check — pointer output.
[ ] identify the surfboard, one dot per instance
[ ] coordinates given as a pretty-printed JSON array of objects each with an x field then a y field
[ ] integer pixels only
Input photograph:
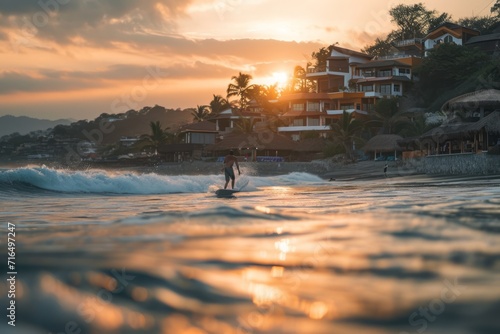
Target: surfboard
[
  {"x": 226, "y": 192},
  {"x": 230, "y": 192}
]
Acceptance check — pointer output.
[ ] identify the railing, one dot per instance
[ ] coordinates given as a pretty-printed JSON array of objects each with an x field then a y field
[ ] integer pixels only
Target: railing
[
  {"x": 407, "y": 42},
  {"x": 316, "y": 69}
]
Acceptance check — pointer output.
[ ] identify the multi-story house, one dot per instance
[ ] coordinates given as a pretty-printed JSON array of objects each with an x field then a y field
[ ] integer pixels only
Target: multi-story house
[
  {"x": 386, "y": 77},
  {"x": 448, "y": 33},
  {"x": 351, "y": 81}
]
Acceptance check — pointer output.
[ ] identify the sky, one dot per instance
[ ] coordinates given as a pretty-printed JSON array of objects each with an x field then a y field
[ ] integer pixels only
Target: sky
[{"x": 80, "y": 58}]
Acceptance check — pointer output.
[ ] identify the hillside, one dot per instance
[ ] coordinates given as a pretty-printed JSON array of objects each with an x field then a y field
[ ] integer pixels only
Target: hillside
[
  {"x": 22, "y": 124},
  {"x": 130, "y": 124}
]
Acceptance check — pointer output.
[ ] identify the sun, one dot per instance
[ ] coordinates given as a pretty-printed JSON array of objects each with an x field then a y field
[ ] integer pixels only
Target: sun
[{"x": 280, "y": 78}]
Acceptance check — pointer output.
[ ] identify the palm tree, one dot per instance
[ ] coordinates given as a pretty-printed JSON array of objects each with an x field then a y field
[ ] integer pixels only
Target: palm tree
[
  {"x": 201, "y": 113},
  {"x": 218, "y": 105},
  {"x": 245, "y": 125},
  {"x": 241, "y": 88},
  {"x": 387, "y": 118},
  {"x": 346, "y": 131},
  {"x": 157, "y": 137}
]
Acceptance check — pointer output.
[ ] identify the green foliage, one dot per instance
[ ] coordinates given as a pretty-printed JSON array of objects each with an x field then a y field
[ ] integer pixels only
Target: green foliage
[
  {"x": 241, "y": 88},
  {"x": 481, "y": 23},
  {"x": 322, "y": 55},
  {"x": 495, "y": 10},
  {"x": 245, "y": 125},
  {"x": 387, "y": 118},
  {"x": 333, "y": 150},
  {"x": 346, "y": 131},
  {"x": 413, "y": 21},
  {"x": 201, "y": 113},
  {"x": 445, "y": 68},
  {"x": 218, "y": 104},
  {"x": 380, "y": 48}
]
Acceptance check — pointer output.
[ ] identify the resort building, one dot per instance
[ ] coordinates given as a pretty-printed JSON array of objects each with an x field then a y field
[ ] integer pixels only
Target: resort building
[
  {"x": 386, "y": 77},
  {"x": 448, "y": 32},
  {"x": 350, "y": 82}
]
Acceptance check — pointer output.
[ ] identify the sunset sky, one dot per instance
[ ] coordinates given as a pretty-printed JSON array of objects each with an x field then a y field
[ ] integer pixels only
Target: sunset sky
[{"x": 80, "y": 58}]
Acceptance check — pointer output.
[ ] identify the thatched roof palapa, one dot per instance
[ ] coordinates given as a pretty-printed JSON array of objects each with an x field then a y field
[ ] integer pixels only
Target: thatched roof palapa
[
  {"x": 481, "y": 98},
  {"x": 490, "y": 123},
  {"x": 383, "y": 143}
]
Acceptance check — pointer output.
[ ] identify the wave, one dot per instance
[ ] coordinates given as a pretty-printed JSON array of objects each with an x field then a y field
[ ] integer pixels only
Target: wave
[{"x": 30, "y": 179}]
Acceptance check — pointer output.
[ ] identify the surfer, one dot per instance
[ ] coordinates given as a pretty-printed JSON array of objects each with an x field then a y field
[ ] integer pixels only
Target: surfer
[{"x": 229, "y": 161}]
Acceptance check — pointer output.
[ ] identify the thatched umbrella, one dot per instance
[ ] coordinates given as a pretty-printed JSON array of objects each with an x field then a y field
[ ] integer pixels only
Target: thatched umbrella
[{"x": 383, "y": 143}]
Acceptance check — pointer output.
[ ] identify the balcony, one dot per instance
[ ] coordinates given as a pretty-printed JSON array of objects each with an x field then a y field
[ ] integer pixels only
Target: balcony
[
  {"x": 409, "y": 42},
  {"x": 303, "y": 128},
  {"x": 320, "y": 69}
]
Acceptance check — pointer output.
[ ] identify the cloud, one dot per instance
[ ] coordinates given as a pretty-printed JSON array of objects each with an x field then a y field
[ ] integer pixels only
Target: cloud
[
  {"x": 62, "y": 20},
  {"x": 13, "y": 82}
]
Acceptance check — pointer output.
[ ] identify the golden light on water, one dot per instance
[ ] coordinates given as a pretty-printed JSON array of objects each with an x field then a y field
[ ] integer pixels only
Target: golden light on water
[
  {"x": 277, "y": 271},
  {"x": 318, "y": 310}
]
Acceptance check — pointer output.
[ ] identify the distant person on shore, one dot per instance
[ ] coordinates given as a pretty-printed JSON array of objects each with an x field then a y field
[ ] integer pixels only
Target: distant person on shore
[
  {"x": 229, "y": 161},
  {"x": 385, "y": 169}
]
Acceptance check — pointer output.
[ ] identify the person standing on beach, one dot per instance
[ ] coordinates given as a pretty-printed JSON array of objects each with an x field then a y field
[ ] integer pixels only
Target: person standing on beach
[
  {"x": 229, "y": 161},
  {"x": 385, "y": 170}
]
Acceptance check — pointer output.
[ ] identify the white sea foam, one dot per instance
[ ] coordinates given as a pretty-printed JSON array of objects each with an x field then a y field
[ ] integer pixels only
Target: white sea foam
[{"x": 100, "y": 181}]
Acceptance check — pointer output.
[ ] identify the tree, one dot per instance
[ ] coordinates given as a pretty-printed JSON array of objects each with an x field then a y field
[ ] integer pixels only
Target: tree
[
  {"x": 322, "y": 55},
  {"x": 387, "y": 116},
  {"x": 435, "y": 21},
  {"x": 381, "y": 47},
  {"x": 445, "y": 68},
  {"x": 496, "y": 9},
  {"x": 413, "y": 21},
  {"x": 218, "y": 104},
  {"x": 157, "y": 137},
  {"x": 242, "y": 89},
  {"x": 245, "y": 125},
  {"x": 201, "y": 113},
  {"x": 481, "y": 23},
  {"x": 346, "y": 131}
]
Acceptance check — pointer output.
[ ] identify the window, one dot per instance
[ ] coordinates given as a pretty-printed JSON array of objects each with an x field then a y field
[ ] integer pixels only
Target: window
[
  {"x": 313, "y": 106},
  {"x": 298, "y": 122},
  {"x": 367, "y": 88},
  {"x": 298, "y": 106},
  {"x": 385, "y": 89},
  {"x": 384, "y": 73},
  {"x": 404, "y": 71},
  {"x": 448, "y": 39},
  {"x": 346, "y": 106},
  {"x": 313, "y": 121},
  {"x": 397, "y": 88}
]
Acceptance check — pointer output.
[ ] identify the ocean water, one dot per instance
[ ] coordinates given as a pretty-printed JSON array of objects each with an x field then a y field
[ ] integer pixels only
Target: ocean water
[{"x": 123, "y": 252}]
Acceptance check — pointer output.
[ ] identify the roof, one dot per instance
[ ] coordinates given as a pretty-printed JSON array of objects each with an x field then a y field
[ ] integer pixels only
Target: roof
[
  {"x": 204, "y": 126},
  {"x": 305, "y": 96},
  {"x": 491, "y": 123},
  {"x": 383, "y": 143},
  {"x": 450, "y": 28},
  {"x": 262, "y": 141},
  {"x": 351, "y": 52},
  {"x": 391, "y": 78},
  {"x": 484, "y": 38},
  {"x": 486, "y": 97},
  {"x": 383, "y": 63}
]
